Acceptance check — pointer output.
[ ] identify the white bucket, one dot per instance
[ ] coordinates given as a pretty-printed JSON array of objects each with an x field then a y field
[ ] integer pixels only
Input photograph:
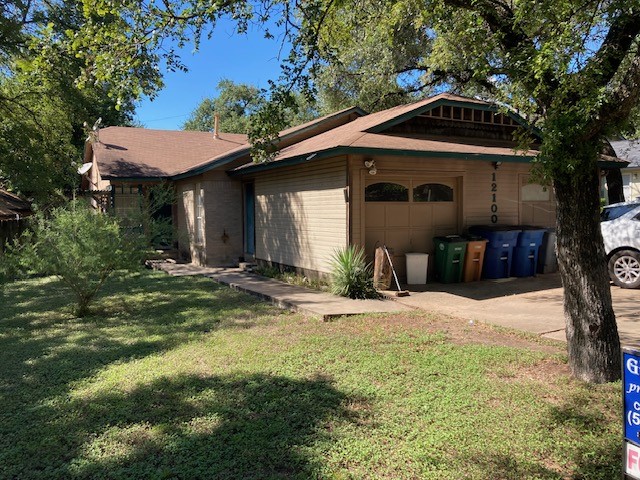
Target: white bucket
[{"x": 417, "y": 264}]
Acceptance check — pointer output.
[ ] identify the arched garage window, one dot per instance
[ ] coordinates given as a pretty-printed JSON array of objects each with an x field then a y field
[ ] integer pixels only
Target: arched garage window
[
  {"x": 432, "y": 192},
  {"x": 386, "y": 192}
]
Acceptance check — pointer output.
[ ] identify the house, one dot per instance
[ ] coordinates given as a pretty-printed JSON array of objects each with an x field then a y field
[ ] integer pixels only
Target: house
[
  {"x": 397, "y": 177},
  {"x": 629, "y": 150},
  {"x": 13, "y": 212}
]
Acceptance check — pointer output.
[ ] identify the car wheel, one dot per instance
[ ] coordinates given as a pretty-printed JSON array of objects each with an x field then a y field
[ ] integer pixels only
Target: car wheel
[{"x": 624, "y": 268}]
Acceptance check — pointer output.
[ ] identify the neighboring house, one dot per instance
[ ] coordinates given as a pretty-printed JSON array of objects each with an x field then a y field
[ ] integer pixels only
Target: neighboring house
[
  {"x": 629, "y": 150},
  {"x": 13, "y": 212},
  {"x": 397, "y": 177}
]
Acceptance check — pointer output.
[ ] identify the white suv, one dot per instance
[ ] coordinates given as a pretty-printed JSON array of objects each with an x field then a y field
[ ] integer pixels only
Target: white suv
[{"x": 620, "y": 225}]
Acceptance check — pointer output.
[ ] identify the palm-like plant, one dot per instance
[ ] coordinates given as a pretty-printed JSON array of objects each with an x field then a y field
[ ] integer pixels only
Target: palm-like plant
[{"x": 351, "y": 275}]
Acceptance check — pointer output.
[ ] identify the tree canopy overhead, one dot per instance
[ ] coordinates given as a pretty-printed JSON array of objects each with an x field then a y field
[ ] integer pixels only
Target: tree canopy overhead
[
  {"x": 237, "y": 103},
  {"x": 573, "y": 68},
  {"x": 45, "y": 97}
]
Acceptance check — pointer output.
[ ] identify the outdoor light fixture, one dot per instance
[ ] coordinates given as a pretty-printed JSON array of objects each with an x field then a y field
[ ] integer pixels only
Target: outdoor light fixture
[
  {"x": 371, "y": 165},
  {"x": 496, "y": 165}
]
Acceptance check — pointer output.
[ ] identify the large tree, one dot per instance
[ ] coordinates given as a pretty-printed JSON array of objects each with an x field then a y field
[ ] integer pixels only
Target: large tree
[
  {"x": 236, "y": 103},
  {"x": 46, "y": 97},
  {"x": 573, "y": 68}
]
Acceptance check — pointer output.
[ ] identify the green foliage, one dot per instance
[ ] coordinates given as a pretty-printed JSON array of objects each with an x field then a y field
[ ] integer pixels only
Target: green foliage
[
  {"x": 244, "y": 108},
  {"x": 152, "y": 220},
  {"x": 42, "y": 105},
  {"x": 234, "y": 104},
  {"x": 178, "y": 377},
  {"x": 81, "y": 247},
  {"x": 292, "y": 278},
  {"x": 351, "y": 275}
]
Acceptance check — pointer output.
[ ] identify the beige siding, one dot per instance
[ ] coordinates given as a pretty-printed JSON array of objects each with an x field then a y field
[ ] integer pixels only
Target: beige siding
[
  {"x": 537, "y": 203},
  {"x": 631, "y": 182},
  {"x": 476, "y": 178},
  {"x": 301, "y": 214},
  {"x": 474, "y": 199}
]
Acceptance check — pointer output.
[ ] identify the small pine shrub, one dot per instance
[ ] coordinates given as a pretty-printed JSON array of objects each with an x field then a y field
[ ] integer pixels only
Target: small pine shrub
[
  {"x": 80, "y": 246},
  {"x": 351, "y": 275}
]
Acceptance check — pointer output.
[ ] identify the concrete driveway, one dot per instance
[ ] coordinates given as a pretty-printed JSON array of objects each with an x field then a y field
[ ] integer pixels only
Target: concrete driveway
[{"x": 531, "y": 304}]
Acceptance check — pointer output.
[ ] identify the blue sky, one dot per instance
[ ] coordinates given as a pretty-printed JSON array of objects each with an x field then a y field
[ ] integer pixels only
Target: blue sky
[{"x": 247, "y": 58}]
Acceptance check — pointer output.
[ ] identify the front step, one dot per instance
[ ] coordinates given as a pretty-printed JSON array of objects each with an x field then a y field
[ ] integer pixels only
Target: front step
[{"x": 247, "y": 266}]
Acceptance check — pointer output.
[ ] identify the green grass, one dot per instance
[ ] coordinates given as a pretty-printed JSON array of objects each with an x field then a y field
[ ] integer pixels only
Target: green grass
[
  {"x": 181, "y": 378},
  {"x": 293, "y": 278}
]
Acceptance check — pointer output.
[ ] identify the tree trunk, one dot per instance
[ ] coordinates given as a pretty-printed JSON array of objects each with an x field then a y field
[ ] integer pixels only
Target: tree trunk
[{"x": 592, "y": 335}]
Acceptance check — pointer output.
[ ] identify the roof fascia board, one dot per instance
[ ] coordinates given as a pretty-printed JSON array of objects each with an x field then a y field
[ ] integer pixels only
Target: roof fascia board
[
  {"x": 380, "y": 151},
  {"x": 444, "y": 101},
  {"x": 610, "y": 164},
  {"x": 134, "y": 179},
  {"x": 238, "y": 155},
  {"x": 211, "y": 166}
]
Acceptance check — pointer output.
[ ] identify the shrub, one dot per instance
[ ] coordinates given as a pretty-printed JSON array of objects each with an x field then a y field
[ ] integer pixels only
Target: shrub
[
  {"x": 80, "y": 246},
  {"x": 351, "y": 275}
]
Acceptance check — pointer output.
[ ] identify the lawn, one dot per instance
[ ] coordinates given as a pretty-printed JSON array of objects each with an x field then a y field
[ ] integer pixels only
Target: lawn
[{"x": 182, "y": 378}]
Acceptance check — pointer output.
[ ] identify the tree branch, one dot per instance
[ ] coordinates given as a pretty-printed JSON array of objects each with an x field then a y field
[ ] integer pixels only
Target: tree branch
[
  {"x": 502, "y": 23},
  {"x": 602, "y": 67},
  {"x": 624, "y": 97}
]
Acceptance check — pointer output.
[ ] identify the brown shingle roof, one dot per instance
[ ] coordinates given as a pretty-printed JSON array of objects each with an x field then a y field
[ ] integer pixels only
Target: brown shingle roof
[
  {"x": 357, "y": 134},
  {"x": 125, "y": 152},
  {"x": 300, "y": 130},
  {"x": 12, "y": 206}
]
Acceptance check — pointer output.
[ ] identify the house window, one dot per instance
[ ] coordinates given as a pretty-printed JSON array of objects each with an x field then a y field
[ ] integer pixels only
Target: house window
[
  {"x": 533, "y": 192},
  {"x": 386, "y": 192},
  {"x": 199, "y": 214},
  {"x": 432, "y": 192}
]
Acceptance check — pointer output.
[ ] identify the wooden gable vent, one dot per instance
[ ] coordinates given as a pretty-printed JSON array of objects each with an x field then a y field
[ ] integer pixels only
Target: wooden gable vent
[{"x": 462, "y": 114}]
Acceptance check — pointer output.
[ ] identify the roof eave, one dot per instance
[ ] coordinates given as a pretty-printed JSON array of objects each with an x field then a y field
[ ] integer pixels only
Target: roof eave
[
  {"x": 213, "y": 164},
  {"x": 136, "y": 179},
  {"x": 332, "y": 152},
  {"x": 222, "y": 161}
]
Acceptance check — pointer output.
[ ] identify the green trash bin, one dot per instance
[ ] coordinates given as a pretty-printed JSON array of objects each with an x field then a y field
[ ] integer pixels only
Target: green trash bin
[{"x": 449, "y": 258}]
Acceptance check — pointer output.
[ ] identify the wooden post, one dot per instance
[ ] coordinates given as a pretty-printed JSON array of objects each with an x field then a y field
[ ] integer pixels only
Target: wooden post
[{"x": 381, "y": 270}]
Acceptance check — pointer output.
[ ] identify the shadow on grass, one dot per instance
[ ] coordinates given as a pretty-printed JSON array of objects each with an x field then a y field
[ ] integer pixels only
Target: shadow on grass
[
  {"x": 506, "y": 467},
  {"x": 601, "y": 460},
  {"x": 249, "y": 427},
  {"x": 45, "y": 351}
]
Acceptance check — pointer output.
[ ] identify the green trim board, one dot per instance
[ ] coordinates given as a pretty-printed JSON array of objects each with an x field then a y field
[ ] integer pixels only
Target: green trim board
[
  {"x": 453, "y": 103},
  {"x": 213, "y": 164},
  {"x": 335, "y": 152},
  {"x": 246, "y": 151},
  {"x": 111, "y": 178}
]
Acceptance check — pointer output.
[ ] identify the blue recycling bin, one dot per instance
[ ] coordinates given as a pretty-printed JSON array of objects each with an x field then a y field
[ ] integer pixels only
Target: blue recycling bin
[
  {"x": 525, "y": 253},
  {"x": 498, "y": 257}
]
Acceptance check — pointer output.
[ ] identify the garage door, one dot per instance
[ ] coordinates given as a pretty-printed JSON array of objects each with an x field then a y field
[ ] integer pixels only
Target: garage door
[{"x": 406, "y": 213}]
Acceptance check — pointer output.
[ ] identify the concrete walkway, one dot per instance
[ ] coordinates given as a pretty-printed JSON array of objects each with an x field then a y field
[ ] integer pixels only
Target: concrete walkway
[
  {"x": 529, "y": 304},
  {"x": 299, "y": 299},
  {"x": 533, "y": 304}
]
